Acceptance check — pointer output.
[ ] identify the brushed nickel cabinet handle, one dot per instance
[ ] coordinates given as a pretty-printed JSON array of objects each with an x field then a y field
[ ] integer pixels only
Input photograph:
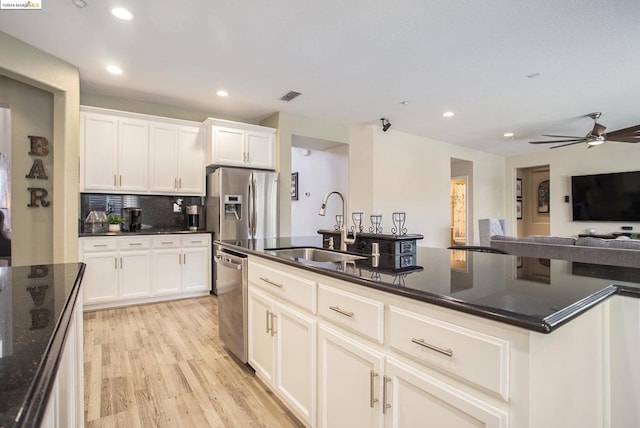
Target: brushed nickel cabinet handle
[
  {"x": 184, "y": 259},
  {"x": 179, "y": 183},
  {"x": 421, "y": 342},
  {"x": 99, "y": 245},
  {"x": 115, "y": 180},
  {"x": 196, "y": 242},
  {"x": 121, "y": 181},
  {"x": 385, "y": 405},
  {"x": 267, "y": 321},
  {"x": 135, "y": 244},
  {"x": 166, "y": 243},
  {"x": 271, "y": 282},
  {"x": 372, "y": 377},
  {"x": 120, "y": 262},
  {"x": 273, "y": 324},
  {"x": 341, "y": 311},
  {"x": 115, "y": 260}
]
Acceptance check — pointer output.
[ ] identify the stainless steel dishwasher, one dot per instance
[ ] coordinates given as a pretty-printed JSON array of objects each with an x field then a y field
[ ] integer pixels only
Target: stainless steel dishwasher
[{"x": 231, "y": 283}]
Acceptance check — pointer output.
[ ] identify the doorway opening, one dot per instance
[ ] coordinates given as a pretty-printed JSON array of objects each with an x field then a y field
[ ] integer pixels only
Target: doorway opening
[
  {"x": 533, "y": 201},
  {"x": 461, "y": 191},
  {"x": 317, "y": 166}
]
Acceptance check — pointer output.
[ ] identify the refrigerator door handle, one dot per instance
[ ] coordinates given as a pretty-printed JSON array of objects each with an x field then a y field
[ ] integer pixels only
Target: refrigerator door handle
[
  {"x": 250, "y": 209},
  {"x": 254, "y": 221}
]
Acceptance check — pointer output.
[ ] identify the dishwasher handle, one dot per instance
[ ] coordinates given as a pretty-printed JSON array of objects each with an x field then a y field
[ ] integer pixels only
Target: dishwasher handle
[{"x": 228, "y": 262}]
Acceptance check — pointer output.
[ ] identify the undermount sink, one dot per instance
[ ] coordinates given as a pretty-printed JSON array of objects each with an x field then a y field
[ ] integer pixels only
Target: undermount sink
[{"x": 314, "y": 255}]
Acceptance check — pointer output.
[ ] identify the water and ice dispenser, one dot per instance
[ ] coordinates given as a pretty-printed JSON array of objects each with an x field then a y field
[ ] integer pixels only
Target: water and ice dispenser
[{"x": 232, "y": 207}]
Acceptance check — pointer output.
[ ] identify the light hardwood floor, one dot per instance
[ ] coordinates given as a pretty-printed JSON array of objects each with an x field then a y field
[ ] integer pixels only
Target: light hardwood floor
[{"x": 163, "y": 365}]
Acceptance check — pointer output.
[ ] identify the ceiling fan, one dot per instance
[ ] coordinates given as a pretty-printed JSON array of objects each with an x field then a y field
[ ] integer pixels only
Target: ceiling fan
[{"x": 596, "y": 136}]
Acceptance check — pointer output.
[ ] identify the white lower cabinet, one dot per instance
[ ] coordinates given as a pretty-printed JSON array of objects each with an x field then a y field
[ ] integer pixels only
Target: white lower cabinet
[
  {"x": 282, "y": 351},
  {"x": 125, "y": 270},
  {"x": 412, "y": 398},
  {"x": 349, "y": 381}
]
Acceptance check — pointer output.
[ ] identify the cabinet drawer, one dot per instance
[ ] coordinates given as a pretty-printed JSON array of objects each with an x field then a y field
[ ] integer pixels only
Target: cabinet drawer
[
  {"x": 199, "y": 240},
  {"x": 292, "y": 288},
  {"x": 473, "y": 356},
  {"x": 356, "y": 313},
  {"x": 134, "y": 243},
  {"x": 166, "y": 241},
  {"x": 98, "y": 244}
]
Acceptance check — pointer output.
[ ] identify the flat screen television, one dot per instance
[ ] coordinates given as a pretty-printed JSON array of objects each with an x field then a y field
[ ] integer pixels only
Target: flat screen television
[{"x": 606, "y": 197}]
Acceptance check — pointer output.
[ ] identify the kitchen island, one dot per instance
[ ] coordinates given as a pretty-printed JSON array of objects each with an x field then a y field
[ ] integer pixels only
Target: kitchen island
[
  {"x": 41, "y": 345},
  {"x": 472, "y": 339}
]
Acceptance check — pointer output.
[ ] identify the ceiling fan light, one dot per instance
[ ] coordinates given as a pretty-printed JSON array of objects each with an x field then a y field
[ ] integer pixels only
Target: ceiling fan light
[{"x": 596, "y": 142}]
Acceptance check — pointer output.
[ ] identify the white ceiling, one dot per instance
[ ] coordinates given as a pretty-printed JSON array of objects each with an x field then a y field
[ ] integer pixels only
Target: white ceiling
[{"x": 354, "y": 61}]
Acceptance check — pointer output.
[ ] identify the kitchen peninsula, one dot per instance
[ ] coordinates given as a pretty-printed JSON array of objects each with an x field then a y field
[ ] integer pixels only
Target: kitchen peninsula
[
  {"x": 41, "y": 364},
  {"x": 487, "y": 334}
]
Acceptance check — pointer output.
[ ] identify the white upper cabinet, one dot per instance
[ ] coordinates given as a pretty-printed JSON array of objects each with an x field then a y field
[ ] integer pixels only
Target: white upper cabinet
[
  {"x": 176, "y": 159},
  {"x": 125, "y": 152},
  {"x": 240, "y": 144},
  {"x": 114, "y": 153}
]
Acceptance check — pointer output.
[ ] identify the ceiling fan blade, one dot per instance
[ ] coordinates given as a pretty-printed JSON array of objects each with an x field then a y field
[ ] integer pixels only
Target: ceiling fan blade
[
  {"x": 632, "y": 130},
  {"x": 560, "y": 136},
  {"x": 624, "y": 139},
  {"x": 598, "y": 129},
  {"x": 577, "y": 140},
  {"x": 565, "y": 145}
]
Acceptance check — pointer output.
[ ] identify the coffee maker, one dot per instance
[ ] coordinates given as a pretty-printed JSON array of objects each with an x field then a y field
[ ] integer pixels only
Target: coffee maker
[
  {"x": 195, "y": 217},
  {"x": 132, "y": 219}
]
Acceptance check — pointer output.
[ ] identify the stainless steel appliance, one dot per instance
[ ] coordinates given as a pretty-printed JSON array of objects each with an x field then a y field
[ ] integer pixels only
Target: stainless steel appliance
[
  {"x": 241, "y": 204},
  {"x": 232, "y": 301},
  {"x": 195, "y": 217},
  {"x": 132, "y": 219}
]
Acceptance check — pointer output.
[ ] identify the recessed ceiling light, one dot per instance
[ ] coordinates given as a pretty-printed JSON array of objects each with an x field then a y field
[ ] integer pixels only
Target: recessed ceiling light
[
  {"x": 508, "y": 134},
  {"x": 534, "y": 75},
  {"x": 222, "y": 93},
  {"x": 404, "y": 103},
  {"x": 114, "y": 69},
  {"x": 122, "y": 13},
  {"x": 448, "y": 114},
  {"x": 79, "y": 3}
]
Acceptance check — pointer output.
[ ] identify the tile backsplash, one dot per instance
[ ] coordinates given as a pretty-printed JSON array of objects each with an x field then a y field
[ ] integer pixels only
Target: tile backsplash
[{"x": 157, "y": 211}]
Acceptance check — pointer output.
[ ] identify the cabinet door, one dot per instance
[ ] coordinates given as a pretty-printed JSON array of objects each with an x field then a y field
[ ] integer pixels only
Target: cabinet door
[
  {"x": 415, "y": 399},
  {"x": 101, "y": 277},
  {"x": 295, "y": 373},
  {"x": 349, "y": 382},
  {"x": 99, "y": 157},
  {"x": 191, "y": 158},
  {"x": 134, "y": 274},
  {"x": 261, "y": 343},
  {"x": 229, "y": 146},
  {"x": 133, "y": 151},
  {"x": 167, "y": 271},
  {"x": 261, "y": 150},
  {"x": 196, "y": 265},
  {"x": 162, "y": 158}
]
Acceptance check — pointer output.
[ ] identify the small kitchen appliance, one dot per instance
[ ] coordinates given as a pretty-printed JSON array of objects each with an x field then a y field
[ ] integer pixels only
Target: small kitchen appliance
[
  {"x": 195, "y": 217},
  {"x": 132, "y": 219}
]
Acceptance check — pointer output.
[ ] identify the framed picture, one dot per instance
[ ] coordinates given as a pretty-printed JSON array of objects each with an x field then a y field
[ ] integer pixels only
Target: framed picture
[
  {"x": 294, "y": 186},
  {"x": 543, "y": 197},
  {"x": 518, "y": 188},
  {"x": 519, "y": 210}
]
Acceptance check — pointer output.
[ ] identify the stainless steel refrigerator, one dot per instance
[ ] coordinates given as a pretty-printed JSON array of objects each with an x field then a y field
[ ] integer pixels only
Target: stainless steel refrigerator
[{"x": 242, "y": 204}]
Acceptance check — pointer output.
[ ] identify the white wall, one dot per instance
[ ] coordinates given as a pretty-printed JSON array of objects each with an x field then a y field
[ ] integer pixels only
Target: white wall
[
  {"x": 318, "y": 173},
  {"x": 412, "y": 174},
  {"x": 568, "y": 161}
]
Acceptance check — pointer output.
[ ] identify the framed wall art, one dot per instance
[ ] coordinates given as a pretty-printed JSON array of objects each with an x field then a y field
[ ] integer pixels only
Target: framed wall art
[
  {"x": 519, "y": 210},
  {"x": 518, "y": 188}
]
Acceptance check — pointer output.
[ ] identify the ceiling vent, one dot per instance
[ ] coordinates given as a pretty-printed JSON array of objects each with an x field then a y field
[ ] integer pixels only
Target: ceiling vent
[{"x": 290, "y": 95}]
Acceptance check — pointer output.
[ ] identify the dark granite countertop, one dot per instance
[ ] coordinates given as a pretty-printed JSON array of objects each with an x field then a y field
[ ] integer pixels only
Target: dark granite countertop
[
  {"x": 535, "y": 294},
  {"x": 152, "y": 231},
  {"x": 36, "y": 303}
]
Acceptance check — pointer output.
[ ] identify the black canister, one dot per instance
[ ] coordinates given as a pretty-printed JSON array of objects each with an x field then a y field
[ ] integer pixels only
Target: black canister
[{"x": 132, "y": 219}]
